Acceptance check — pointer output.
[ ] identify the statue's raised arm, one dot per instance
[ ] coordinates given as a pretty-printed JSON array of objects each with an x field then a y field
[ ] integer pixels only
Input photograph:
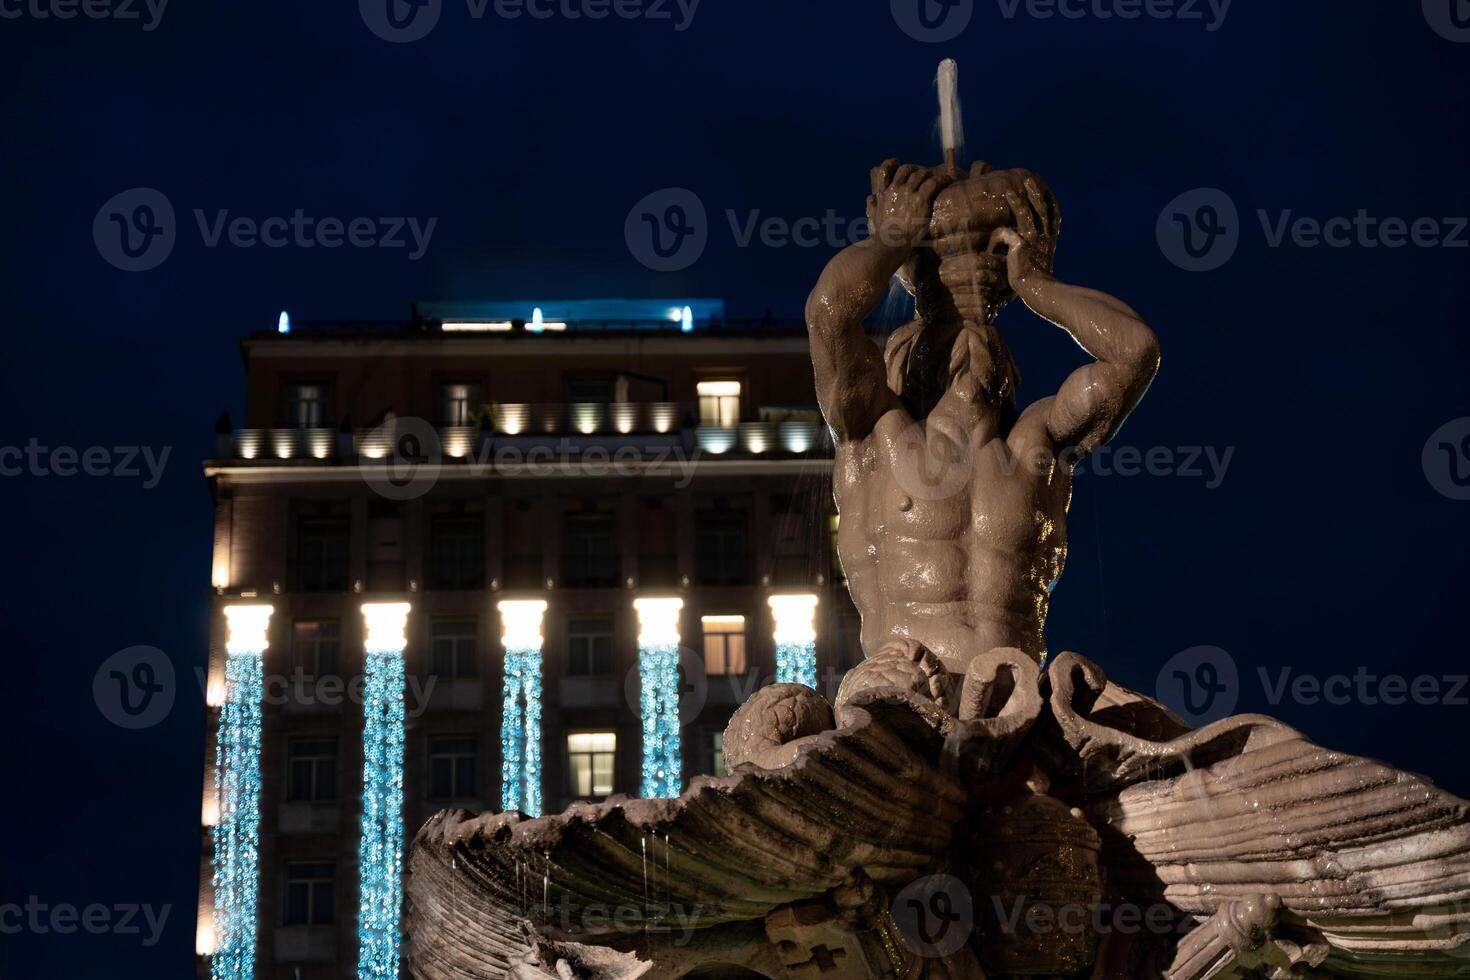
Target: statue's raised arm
[
  {"x": 1093, "y": 402},
  {"x": 849, "y": 369}
]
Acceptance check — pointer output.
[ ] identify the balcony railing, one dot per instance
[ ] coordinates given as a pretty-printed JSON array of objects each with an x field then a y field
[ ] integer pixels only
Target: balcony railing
[{"x": 642, "y": 426}]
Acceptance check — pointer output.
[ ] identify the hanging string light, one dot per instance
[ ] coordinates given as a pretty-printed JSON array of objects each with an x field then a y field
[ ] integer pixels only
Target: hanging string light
[
  {"x": 796, "y": 639},
  {"x": 380, "y": 850},
  {"x": 236, "y": 833},
  {"x": 658, "y": 674},
  {"x": 520, "y": 718}
]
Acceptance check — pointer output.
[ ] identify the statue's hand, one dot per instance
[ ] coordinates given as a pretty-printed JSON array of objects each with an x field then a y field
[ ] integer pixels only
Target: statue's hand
[
  {"x": 902, "y": 202},
  {"x": 1032, "y": 243}
]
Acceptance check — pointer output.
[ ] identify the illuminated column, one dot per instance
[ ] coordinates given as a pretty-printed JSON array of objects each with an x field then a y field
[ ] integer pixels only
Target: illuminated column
[
  {"x": 237, "y": 793},
  {"x": 380, "y": 851},
  {"x": 520, "y": 719},
  {"x": 796, "y": 639},
  {"x": 658, "y": 672}
]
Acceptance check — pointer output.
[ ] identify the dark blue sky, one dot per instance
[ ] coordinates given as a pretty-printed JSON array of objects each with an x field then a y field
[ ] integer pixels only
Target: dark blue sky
[{"x": 1325, "y": 546}]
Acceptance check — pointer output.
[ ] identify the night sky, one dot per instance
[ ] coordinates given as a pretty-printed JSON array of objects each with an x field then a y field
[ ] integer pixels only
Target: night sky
[{"x": 1326, "y": 546}]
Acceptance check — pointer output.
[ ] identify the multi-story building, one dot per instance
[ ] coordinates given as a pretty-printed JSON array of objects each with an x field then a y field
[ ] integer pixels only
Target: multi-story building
[{"x": 462, "y": 468}]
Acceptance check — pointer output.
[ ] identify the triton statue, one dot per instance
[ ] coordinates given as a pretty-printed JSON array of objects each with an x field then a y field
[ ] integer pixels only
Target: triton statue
[{"x": 959, "y": 813}]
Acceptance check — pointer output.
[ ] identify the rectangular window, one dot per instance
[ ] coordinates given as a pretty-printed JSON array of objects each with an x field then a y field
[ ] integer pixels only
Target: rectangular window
[
  {"x": 457, "y": 552},
  {"x": 313, "y": 770},
  {"x": 453, "y": 646},
  {"x": 590, "y": 758},
  {"x": 724, "y": 644},
  {"x": 717, "y": 754},
  {"x": 597, "y": 391},
  {"x": 589, "y": 551},
  {"x": 309, "y": 894},
  {"x": 720, "y": 553},
  {"x": 454, "y": 764},
  {"x": 316, "y": 645},
  {"x": 321, "y": 554},
  {"x": 719, "y": 403},
  {"x": 458, "y": 403},
  {"x": 306, "y": 406},
  {"x": 589, "y": 648}
]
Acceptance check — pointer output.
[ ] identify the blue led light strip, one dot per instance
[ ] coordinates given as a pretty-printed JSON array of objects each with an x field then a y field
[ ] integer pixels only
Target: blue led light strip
[
  {"x": 796, "y": 663},
  {"x": 380, "y": 851},
  {"x": 520, "y": 732},
  {"x": 237, "y": 833},
  {"x": 658, "y": 671}
]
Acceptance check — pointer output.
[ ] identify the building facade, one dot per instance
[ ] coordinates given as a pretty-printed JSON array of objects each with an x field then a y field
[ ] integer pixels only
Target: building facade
[{"x": 479, "y": 541}]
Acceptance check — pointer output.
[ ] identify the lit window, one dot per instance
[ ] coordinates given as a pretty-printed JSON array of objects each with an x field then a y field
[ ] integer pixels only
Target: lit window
[
  {"x": 459, "y": 403},
  {"x": 590, "y": 757},
  {"x": 306, "y": 406},
  {"x": 719, "y": 403},
  {"x": 717, "y": 754},
  {"x": 452, "y": 643},
  {"x": 313, "y": 770},
  {"x": 454, "y": 764},
  {"x": 724, "y": 644},
  {"x": 309, "y": 894}
]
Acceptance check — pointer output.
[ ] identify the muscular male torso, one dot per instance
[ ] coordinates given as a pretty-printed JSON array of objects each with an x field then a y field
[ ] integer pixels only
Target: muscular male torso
[{"x": 952, "y": 532}]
